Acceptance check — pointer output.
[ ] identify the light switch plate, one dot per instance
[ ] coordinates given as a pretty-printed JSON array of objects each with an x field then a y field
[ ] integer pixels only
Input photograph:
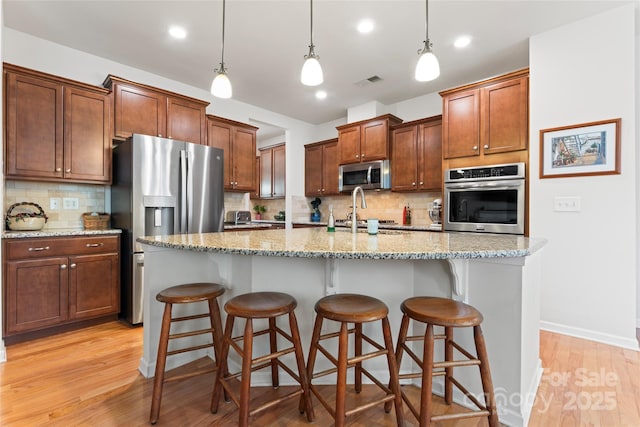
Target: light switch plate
[
  {"x": 54, "y": 203},
  {"x": 567, "y": 204},
  {"x": 70, "y": 203}
]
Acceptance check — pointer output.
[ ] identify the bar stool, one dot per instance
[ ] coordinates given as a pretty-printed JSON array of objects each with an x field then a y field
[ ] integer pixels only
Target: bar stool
[
  {"x": 261, "y": 305},
  {"x": 449, "y": 314},
  {"x": 356, "y": 309},
  {"x": 185, "y": 294}
]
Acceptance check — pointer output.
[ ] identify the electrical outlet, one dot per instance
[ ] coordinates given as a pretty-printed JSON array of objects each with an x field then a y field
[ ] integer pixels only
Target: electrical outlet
[
  {"x": 70, "y": 203},
  {"x": 566, "y": 204},
  {"x": 54, "y": 203}
]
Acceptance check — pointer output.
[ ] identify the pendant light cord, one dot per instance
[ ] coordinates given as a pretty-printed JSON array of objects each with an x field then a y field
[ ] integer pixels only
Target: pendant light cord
[
  {"x": 426, "y": 21},
  {"x": 311, "y": 25},
  {"x": 223, "y": 19}
]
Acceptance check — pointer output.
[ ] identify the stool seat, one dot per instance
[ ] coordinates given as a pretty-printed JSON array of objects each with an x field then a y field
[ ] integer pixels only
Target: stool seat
[
  {"x": 441, "y": 311},
  {"x": 260, "y": 305},
  {"x": 190, "y": 292},
  {"x": 351, "y": 308}
]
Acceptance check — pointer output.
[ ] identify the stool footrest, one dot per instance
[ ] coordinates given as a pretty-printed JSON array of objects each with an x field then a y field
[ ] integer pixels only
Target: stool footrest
[
  {"x": 190, "y": 374},
  {"x": 192, "y": 317},
  {"x": 462, "y": 415},
  {"x": 184, "y": 350},
  {"x": 190, "y": 333},
  {"x": 275, "y": 402}
]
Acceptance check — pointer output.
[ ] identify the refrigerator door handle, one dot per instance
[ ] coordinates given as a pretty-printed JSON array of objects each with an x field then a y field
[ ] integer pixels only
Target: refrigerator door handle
[
  {"x": 190, "y": 196},
  {"x": 183, "y": 191}
]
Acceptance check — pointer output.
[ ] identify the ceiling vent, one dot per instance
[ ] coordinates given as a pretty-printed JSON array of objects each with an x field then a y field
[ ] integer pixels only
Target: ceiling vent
[{"x": 368, "y": 81}]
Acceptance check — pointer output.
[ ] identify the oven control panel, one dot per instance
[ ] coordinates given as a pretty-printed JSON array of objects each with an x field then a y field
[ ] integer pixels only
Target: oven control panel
[{"x": 505, "y": 171}]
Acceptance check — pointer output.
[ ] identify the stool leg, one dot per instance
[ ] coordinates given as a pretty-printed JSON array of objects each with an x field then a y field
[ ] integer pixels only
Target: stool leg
[
  {"x": 485, "y": 375},
  {"x": 302, "y": 372},
  {"x": 427, "y": 378},
  {"x": 357, "y": 372},
  {"x": 393, "y": 370},
  {"x": 341, "y": 385},
  {"x": 245, "y": 383},
  {"x": 161, "y": 360},
  {"x": 448, "y": 356},
  {"x": 216, "y": 325},
  {"x": 311, "y": 360},
  {"x": 402, "y": 338},
  {"x": 222, "y": 364},
  {"x": 273, "y": 346}
]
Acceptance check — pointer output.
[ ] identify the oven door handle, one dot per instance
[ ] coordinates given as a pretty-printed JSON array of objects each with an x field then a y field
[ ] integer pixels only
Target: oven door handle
[{"x": 489, "y": 185}]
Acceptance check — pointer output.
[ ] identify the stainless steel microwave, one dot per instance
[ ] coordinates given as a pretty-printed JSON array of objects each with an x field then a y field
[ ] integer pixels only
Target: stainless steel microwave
[{"x": 368, "y": 175}]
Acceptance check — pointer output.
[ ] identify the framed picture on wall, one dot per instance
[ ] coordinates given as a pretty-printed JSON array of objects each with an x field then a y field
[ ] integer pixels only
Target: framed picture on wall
[{"x": 579, "y": 150}]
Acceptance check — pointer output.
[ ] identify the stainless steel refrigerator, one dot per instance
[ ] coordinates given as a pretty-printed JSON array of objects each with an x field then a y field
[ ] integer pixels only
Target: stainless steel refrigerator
[{"x": 161, "y": 186}]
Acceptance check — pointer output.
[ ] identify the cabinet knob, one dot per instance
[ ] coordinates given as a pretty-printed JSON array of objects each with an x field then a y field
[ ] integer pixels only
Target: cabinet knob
[
  {"x": 486, "y": 146},
  {"x": 68, "y": 170},
  {"x": 319, "y": 190},
  {"x": 72, "y": 266},
  {"x": 63, "y": 266},
  {"x": 58, "y": 169},
  {"x": 323, "y": 190},
  {"x": 421, "y": 182},
  {"x": 357, "y": 156},
  {"x": 413, "y": 183},
  {"x": 160, "y": 135},
  {"x": 475, "y": 147}
]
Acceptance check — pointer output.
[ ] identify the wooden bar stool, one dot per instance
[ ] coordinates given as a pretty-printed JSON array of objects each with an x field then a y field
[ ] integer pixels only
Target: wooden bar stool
[
  {"x": 261, "y": 305},
  {"x": 185, "y": 294},
  {"x": 449, "y": 314},
  {"x": 356, "y": 309}
]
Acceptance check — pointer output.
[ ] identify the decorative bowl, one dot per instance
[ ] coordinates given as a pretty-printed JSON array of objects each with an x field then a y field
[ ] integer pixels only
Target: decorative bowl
[{"x": 24, "y": 218}]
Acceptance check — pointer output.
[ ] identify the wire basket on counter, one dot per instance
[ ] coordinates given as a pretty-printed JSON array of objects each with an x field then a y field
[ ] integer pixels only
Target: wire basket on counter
[
  {"x": 32, "y": 218},
  {"x": 95, "y": 221}
]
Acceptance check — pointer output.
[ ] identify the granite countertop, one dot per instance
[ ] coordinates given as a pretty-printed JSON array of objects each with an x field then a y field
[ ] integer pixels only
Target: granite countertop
[
  {"x": 56, "y": 232},
  {"x": 380, "y": 226},
  {"x": 318, "y": 243}
]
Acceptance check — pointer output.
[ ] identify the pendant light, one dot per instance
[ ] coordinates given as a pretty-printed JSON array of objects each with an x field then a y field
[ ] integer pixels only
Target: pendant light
[
  {"x": 311, "y": 74},
  {"x": 221, "y": 85},
  {"x": 427, "y": 68}
]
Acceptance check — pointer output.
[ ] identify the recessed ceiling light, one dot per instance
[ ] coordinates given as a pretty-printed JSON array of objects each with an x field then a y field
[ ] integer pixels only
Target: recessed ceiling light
[
  {"x": 365, "y": 26},
  {"x": 462, "y": 41},
  {"x": 321, "y": 94},
  {"x": 177, "y": 32}
]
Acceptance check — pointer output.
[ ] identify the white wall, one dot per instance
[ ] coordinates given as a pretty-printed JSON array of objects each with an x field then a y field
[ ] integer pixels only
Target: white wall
[{"x": 584, "y": 72}]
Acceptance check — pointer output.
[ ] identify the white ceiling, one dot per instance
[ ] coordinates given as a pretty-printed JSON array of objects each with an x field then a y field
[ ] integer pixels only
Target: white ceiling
[{"x": 266, "y": 41}]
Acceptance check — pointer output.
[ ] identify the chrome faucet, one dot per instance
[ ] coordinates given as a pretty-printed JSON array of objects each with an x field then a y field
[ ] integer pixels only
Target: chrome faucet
[{"x": 363, "y": 205}]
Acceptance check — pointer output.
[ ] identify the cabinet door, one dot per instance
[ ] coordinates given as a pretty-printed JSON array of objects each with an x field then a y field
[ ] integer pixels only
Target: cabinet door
[
  {"x": 186, "y": 121},
  {"x": 244, "y": 157},
  {"x": 330, "y": 167},
  {"x": 219, "y": 135},
  {"x": 313, "y": 171},
  {"x": 505, "y": 116},
  {"x": 255, "y": 194},
  {"x": 138, "y": 110},
  {"x": 34, "y": 133},
  {"x": 404, "y": 156},
  {"x": 266, "y": 174},
  {"x": 374, "y": 144},
  {"x": 430, "y": 158},
  {"x": 279, "y": 171},
  {"x": 87, "y": 145},
  {"x": 93, "y": 285},
  {"x": 349, "y": 142},
  {"x": 461, "y": 132},
  {"x": 36, "y": 294}
]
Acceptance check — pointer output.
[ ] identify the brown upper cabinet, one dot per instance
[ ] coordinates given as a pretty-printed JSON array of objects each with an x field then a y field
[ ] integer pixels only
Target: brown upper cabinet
[
  {"x": 321, "y": 168},
  {"x": 56, "y": 129},
  {"x": 272, "y": 172},
  {"x": 416, "y": 155},
  {"x": 238, "y": 140},
  {"x": 487, "y": 117},
  {"x": 366, "y": 140},
  {"x": 151, "y": 111}
]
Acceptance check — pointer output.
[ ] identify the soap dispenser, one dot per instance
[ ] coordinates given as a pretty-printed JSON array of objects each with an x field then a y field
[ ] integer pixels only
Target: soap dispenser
[{"x": 331, "y": 225}]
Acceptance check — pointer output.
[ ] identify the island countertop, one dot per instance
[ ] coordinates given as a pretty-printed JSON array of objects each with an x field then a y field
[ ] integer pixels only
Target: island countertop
[{"x": 318, "y": 243}]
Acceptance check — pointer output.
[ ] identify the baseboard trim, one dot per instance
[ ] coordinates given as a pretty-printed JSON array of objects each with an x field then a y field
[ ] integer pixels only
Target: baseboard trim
[{"x": 614, "y": 340}]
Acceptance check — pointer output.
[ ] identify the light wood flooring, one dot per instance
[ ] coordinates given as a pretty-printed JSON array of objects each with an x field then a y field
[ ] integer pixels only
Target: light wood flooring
[{"x": 90, "y": 378}]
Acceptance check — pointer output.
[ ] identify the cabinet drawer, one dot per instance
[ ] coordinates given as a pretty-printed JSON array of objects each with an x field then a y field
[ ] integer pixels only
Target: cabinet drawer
[{"x": 57, "y": 246}]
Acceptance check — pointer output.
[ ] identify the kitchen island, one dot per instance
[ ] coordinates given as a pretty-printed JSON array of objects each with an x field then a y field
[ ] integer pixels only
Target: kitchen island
[{"x": 498, "y": 274}]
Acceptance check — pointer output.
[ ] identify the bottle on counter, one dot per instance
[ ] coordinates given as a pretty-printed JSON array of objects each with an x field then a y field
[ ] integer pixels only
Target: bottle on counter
[
  {"x": 408, "y": 214},
  {"x": 331, "y": 225},
  {"x": 404, "y": 215}
]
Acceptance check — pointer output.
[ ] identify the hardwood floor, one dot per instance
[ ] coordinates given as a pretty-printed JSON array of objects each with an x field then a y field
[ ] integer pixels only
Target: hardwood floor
[{"x": 90, "y": 378}]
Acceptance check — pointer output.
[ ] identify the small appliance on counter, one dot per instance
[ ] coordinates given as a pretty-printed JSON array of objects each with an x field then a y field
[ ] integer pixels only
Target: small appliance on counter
[
  {"x": 435, "y": 211},
  {"x": 238, "y": 217}
]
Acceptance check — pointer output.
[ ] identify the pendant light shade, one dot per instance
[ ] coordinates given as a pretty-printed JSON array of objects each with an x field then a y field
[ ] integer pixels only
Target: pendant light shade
[
  {"x": 428, "y": 67},
  {"x": 221, "y": 85},
  {"x": 311, "y": 74}
]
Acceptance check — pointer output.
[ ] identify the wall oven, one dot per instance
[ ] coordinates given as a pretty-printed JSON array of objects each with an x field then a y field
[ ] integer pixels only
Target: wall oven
[{"x": 486, "y": 199}]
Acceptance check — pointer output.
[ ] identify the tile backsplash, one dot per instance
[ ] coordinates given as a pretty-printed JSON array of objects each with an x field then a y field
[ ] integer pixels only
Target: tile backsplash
[{"x": 91, "y": 198}]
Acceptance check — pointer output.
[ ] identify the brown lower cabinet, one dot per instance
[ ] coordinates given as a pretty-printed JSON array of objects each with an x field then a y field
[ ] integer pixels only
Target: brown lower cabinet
[{"x": 52, "y": 282}]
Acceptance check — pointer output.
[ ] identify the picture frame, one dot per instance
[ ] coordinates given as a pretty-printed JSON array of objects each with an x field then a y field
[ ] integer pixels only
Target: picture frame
[{"x": 580, "y": 150}]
